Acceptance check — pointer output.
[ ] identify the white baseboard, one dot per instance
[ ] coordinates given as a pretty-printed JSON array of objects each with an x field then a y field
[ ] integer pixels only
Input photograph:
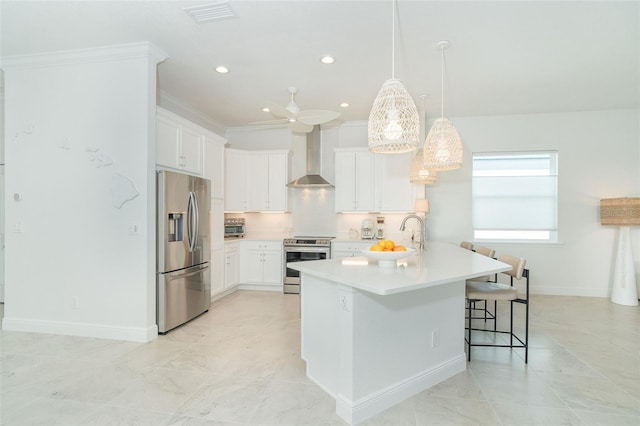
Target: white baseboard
[
  {"x": 131, "y": 334},
  {"x": 354, "y": 412},
  {"x": 570, "y": 291},
  {"x": 224, "y": 293},
  {"x": 261, "y": 287}
]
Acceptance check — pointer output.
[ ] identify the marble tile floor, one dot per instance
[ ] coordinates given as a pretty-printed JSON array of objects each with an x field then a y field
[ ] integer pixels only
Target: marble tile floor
[{"x": 239, "y": 364}]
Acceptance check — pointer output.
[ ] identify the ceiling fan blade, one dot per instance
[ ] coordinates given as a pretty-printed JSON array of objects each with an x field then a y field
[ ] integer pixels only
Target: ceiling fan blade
[
  {"x": 316, "y": 116},
  {"x": 276, "y": 121},
  {"x": 298, "y": 127},
  {"x": 280, "y": 111}
]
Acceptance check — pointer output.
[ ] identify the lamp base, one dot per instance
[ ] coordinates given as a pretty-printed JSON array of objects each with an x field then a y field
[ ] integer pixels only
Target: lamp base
[{"x": 624, "y": 291}]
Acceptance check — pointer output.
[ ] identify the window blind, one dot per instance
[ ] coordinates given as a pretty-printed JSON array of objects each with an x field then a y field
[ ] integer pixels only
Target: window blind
[{"x": 515, "y": 192}]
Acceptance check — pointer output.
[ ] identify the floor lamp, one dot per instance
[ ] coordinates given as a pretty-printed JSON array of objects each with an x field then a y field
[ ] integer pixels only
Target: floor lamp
[{"x": 622, "y": 212}]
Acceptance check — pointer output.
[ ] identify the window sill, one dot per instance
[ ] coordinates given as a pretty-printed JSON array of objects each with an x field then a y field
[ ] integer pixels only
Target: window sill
[{"x": 520, "y": 243}]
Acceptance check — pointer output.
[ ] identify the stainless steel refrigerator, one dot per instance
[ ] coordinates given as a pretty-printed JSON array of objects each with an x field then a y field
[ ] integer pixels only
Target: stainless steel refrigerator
[{"x": 183, "y": 279}]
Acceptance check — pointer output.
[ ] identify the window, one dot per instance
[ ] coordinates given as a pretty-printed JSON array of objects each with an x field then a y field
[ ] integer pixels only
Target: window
[{"x": 515, "y": 196}]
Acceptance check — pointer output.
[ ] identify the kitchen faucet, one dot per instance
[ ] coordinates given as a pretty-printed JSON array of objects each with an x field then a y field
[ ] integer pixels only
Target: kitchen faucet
[{"x": 422, "y": 228}]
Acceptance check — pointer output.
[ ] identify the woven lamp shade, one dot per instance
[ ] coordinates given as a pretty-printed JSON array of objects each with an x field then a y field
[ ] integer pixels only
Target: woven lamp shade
[
  {"x": 443, "y": 146},
  {"x": 419, "y": 173},
  {"x": 620, "y": 211},
  {"x": 394, "y": 124}
]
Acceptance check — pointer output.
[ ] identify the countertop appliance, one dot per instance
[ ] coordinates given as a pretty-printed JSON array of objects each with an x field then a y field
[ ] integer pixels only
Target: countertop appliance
[
  {"x": 183, "y": 254},
  {"x": 302, "y": 249},
  {"x": 380, "y": 228},
  {"x": 234, "y": 227},
  {"x": 366, "y": 230}
]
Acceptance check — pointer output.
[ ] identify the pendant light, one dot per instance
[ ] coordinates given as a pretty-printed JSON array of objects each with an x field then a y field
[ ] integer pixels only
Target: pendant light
[
  {"x": 418, "y": 173},
  {"x": 443, "y": 146},
  {"x": 393, "y": 121}
]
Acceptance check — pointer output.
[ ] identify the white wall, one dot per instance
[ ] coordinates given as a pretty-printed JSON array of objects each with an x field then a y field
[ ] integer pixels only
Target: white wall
[
  {"x": 80, "y": 157},
  {"x": 599, "y": 157}
]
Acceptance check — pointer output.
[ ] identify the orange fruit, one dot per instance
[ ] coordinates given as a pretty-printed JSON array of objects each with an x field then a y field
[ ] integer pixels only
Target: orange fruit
[
  {"x": 376, "y": 247},
  {"x": 388, "y": 244},
  {"x": 399, "y": 248}
]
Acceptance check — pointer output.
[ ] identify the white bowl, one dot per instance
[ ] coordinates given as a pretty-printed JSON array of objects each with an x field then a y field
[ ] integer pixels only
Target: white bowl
[{"x": 387, "y": 259}]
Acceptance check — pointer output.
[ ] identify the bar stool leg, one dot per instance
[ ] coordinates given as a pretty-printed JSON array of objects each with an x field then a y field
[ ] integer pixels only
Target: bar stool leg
[{"x": 469, "y": 335}]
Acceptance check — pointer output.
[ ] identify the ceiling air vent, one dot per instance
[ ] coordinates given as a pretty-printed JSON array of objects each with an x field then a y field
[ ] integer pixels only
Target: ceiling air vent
[{"x": 211, "y": 12}]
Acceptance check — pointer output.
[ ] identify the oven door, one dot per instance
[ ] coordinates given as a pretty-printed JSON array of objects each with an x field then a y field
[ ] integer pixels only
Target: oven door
[{"x": 301, "y": 254}]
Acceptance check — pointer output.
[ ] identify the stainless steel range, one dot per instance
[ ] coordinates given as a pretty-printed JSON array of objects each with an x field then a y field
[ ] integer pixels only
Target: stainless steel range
[{"x": 302, "y": 249}]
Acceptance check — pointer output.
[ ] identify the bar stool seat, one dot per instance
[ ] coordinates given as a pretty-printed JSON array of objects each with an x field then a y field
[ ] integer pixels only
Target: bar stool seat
[
  {"x": 485, "y": 291},
  {"x": 490, "y": 291}
]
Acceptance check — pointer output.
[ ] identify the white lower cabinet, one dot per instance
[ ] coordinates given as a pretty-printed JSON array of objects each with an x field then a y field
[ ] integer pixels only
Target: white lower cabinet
[
  {"x": 340, "y": 249},
  {"x": 232, "y": 264},
  {"x": 217, "y": 268},
  {"x": 261, "y": 265}
]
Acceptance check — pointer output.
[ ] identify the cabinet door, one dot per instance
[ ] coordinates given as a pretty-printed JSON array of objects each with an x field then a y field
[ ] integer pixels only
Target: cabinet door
[
  {"x": 354, "y": 181},
  {"x": 258, "y": 182},
  {"x": 339, "y": 254},
  {"x": 235, "y": 181},
  {"x": 365, "y": 195},
  {"x": 348, "y": 249},
  {"x": 167, "y": 141},
  {"x": 216, "y": 224},
  {"x": 394, "y": 192},
  {"x": 232, "y": 268},
  {"x": 345, "y": 191},
  {"x": 217, "y": 271},
  {"x": 214, "y": 166},
  {"x": 190, "y": 157},
  {"x": 272, "y": 266},
  {"x": 277, "y": 177},
  {"x": 253, "y": 266}
]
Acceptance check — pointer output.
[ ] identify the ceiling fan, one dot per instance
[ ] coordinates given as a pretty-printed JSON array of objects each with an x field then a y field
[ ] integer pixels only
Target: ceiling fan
[{"x": 299, "y": 121}]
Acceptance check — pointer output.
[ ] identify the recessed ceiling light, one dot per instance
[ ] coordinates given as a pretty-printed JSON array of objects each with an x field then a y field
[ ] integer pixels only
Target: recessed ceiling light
[
  {"x": 344, "y": 105},
  {"x": 222, "y": 69},
  {"x": 326, "y": 59},
  {"x": 266, "y": 109}
]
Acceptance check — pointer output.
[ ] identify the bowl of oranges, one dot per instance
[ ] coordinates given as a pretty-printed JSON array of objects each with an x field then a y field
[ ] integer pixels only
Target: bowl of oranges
[{"x": 386, "y": 252}]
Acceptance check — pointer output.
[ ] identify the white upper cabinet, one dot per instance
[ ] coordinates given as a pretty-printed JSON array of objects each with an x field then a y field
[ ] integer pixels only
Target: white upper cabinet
[
  {"x": 180, "y": 143},
  {"x": 367, "y": 182},
  {"x": 214, "y": 164},
  {"x": 354, "y": 180},
  {"x": 257, "y": 180},
  {"x": 393, "y": 191},
  {"x": 235, "y": 192}
]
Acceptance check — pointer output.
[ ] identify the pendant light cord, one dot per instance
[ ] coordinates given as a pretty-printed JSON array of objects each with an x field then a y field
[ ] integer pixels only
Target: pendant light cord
[
  {"x": 442, "y": 85},
  {"x": 393, "y": 39}
]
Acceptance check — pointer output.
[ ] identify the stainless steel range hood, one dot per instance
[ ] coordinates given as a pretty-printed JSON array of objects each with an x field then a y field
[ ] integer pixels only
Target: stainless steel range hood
[{"x": 312, "y": 179}]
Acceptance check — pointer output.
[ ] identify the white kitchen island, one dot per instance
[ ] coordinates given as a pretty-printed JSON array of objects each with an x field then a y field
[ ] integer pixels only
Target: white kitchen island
[{"x": 373, "y": 337}]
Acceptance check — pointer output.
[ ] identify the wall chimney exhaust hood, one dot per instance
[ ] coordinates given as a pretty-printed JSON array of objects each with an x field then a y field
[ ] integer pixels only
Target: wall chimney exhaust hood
[{"x": 312, "y": 179}]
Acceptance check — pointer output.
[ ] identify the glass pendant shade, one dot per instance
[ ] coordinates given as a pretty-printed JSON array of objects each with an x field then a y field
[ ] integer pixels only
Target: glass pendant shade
[
  {"x": 419, "y": 174},
  {"x": 443, "y": 147},
  {"x": 394, "y": 125}
]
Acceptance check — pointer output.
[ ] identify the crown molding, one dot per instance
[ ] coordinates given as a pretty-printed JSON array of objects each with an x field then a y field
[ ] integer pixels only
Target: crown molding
[{"x": 80, "y": 56}]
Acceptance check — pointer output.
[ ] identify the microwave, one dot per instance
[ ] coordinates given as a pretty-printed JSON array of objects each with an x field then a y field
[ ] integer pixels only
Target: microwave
[{"x": 234, "y": 227}]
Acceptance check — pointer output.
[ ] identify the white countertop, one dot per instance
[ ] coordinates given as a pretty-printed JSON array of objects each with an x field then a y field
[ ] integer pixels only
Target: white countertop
[{"x": 440, "y": 264}]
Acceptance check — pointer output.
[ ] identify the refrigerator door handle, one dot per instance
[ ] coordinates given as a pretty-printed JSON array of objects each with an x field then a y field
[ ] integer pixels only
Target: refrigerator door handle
[
  {"x": 191, "y": 222},
  {"x": 196, "y": 211}
]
